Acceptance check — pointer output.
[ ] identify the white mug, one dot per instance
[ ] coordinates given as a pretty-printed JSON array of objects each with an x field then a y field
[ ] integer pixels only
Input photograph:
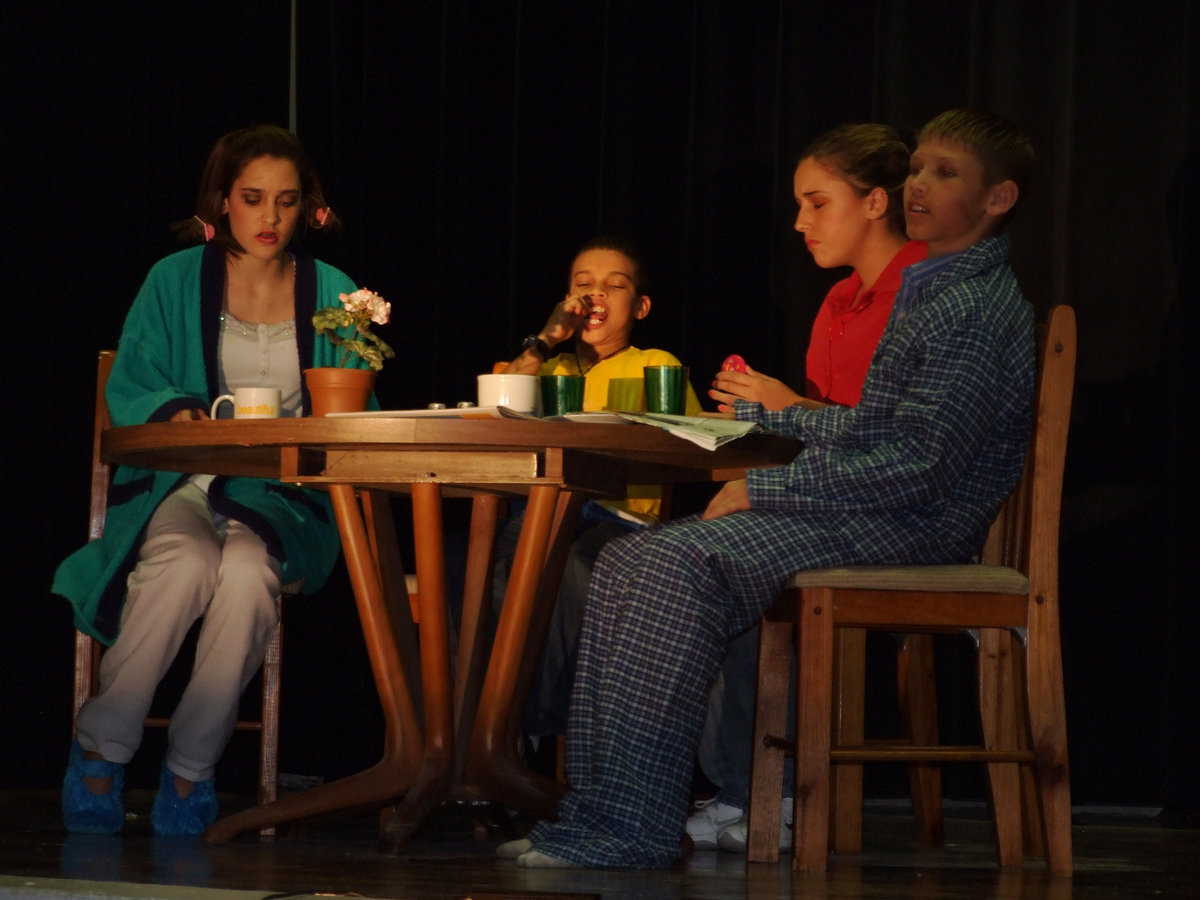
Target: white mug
[
  {"x": 252, "y": 403},
  {"x": 519, "y": 392}
]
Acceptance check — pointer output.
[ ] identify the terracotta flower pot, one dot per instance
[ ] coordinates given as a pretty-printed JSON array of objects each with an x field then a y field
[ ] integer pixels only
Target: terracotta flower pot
[{"x": 339, "y": 390}]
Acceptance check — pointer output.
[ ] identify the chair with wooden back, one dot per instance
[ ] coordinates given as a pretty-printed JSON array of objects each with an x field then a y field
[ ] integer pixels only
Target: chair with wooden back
[
  {"x": 1010, "y": 601},
  {"x": 88, "y": 649}
]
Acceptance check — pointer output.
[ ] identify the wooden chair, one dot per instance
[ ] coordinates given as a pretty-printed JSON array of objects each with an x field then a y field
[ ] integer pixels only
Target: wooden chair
[
  {"x": 88, "y": 649},
  {"x": 1010, "y": 601}
]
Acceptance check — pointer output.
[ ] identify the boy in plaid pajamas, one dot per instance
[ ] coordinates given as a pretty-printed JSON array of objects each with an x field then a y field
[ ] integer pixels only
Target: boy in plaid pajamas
[{"x": 913, "y": 474}]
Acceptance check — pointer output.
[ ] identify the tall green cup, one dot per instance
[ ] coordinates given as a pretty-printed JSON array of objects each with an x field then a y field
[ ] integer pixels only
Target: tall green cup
[
  {"x": 666, "y": 389},
  {"x": 561, "y": 394}
]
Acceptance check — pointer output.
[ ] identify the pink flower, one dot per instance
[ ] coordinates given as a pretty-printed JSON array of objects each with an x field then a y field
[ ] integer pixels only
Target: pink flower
[
  {"x": 348, "y": 327},
  {"x": 364, "y": 300},
  {"x": 381, "y": 311}
]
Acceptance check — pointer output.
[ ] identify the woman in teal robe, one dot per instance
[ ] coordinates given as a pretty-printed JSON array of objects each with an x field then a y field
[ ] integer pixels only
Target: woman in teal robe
[{"x": 236, "y": 311}]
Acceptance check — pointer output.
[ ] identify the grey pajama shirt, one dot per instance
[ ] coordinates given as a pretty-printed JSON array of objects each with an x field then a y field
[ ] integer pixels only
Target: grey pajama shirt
[{"x": 913, "y": 474}]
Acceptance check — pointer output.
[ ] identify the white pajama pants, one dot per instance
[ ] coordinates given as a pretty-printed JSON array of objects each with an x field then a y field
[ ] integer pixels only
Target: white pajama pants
[{"x": 189, "y": 565}]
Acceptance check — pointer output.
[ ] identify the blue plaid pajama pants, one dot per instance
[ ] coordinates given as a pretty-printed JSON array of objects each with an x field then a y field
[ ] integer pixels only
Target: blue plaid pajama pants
[{"x": 662, "y": 606}]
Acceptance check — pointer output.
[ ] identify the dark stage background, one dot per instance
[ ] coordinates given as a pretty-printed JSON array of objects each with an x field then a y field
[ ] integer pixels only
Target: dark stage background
[{"x": 470, "y": 147}]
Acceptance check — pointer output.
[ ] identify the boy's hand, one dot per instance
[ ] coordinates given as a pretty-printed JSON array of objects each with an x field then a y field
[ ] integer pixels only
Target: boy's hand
[
  {"x": 564, "y": 321},
  {"x": 751, "y": 385},
  {"x": 733, "y": 497}
]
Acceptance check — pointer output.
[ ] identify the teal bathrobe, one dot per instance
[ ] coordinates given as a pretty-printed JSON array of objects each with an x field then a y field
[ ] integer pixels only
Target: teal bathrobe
[{"x": 166, "y": 362}]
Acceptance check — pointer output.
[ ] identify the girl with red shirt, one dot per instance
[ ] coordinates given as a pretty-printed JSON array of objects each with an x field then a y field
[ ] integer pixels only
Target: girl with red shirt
[{"x": 848, "y": 187}]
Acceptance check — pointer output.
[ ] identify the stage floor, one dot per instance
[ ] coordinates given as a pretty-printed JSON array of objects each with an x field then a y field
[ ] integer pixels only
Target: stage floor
[{"x": 1116, "y": 856}]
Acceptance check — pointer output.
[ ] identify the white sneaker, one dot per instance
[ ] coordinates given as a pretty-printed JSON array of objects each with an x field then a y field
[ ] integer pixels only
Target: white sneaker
[
  {"x": 735, "y": 837},
  {"x": 704, "y": 826},
  {"x": 536, "y": 859},
  {"x": 514, "y": 849}
]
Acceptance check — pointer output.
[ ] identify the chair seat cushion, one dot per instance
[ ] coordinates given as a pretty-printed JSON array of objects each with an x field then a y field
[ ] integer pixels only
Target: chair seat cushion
[{"x": 958, "y": 578}]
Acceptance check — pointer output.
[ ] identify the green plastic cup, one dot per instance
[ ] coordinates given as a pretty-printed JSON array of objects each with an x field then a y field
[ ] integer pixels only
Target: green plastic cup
[
  {"x": 666, "y": 389},
  {"x": 562, "y": 394},
  {"x": 626, "y": 394}
]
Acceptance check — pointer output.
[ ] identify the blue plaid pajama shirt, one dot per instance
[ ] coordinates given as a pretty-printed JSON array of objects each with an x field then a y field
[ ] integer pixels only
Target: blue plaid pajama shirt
[{"x": 913, "y": 474}]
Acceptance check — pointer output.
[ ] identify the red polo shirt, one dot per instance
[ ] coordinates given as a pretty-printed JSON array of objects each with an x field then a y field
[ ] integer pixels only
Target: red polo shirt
[{"x": 845, "y": 333}]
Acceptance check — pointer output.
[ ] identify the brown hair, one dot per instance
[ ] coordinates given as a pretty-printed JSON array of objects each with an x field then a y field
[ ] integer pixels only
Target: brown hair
[
  {"x": 866, "y": 156},
  {"x": 1001, "y": 147},
  {"x": 228, "y": 157}
]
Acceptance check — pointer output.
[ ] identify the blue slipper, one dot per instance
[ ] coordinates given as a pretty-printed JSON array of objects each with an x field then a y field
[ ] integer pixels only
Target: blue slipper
[
  {"x": 83, "y": 811},
  {"x": 172, "y": 814}
]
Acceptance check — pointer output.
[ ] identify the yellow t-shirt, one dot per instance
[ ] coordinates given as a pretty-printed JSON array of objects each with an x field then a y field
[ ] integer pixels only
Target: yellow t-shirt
[{"x": 619, "y": 379}]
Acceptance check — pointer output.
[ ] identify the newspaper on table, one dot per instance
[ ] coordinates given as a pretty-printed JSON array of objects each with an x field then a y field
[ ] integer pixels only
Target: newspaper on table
[{"x": 704, "y": 431}]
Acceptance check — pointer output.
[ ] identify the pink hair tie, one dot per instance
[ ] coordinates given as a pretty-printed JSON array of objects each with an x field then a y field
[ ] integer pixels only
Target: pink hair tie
[
  {"x": 321, "y": 215},
  {"x": 209, "y": 231}
]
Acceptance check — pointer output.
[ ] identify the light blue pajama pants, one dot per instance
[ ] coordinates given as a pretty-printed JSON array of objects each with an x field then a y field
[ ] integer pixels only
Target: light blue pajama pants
[{"x": 189, "y": 565}]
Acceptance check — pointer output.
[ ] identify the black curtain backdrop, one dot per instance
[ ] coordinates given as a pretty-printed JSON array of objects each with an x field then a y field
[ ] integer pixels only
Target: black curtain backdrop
[{"x": 470, "y": 147}]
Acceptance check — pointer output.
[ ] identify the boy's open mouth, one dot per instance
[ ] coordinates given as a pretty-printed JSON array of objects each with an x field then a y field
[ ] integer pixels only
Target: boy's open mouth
[{"x": 597, "y": 316}]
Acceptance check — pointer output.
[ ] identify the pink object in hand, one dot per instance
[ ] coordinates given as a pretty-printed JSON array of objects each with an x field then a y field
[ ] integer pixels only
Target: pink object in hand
[{"x": 733, "y": 363}]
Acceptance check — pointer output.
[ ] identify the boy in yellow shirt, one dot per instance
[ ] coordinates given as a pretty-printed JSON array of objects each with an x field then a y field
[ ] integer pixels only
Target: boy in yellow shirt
[{"x": 592, "y": 326}]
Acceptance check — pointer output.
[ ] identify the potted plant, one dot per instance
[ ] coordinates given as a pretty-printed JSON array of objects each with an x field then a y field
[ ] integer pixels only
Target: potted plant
[{"x": 348, "y": 327}]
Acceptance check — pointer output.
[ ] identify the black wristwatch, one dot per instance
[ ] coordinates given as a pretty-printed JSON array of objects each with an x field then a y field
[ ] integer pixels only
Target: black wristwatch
[{"x": 537, "y": 345}]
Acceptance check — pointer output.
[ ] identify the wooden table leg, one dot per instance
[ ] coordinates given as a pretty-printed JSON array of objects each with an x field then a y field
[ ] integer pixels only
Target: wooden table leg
[
  {"x": 385, "y": 548},
  {"x": 396, "y": 771},
  {"x": 437, "y": 775},
  {"x": 562, "y": 534},
  {"x": 474, "y": 639},
  {"x": 493, "y": 769}
]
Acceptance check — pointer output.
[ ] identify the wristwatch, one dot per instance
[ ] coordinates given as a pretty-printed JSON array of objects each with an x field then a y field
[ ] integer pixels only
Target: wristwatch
[{"x": 537, "y": 345}]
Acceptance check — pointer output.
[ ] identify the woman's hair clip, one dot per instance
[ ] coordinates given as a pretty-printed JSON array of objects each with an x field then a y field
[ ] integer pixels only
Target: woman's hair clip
[
  {"x": 321, "y": 214},
  {"x": 209, "y": 231}
]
